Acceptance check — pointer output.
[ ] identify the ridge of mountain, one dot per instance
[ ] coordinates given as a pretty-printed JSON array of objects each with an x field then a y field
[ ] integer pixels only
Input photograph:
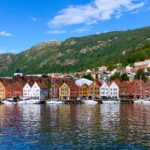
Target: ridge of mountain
[{"x": 80, "y": 53}]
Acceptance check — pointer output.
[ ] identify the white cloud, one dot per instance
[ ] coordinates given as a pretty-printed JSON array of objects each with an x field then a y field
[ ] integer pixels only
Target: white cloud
[
  {"x": 82, "y": 30},
  {"x": 11, "y": 51},
  {"x": 56, "y": 31},
  {"x": 34, "y": 19},
  {"x": 6, "y": 34},
  {"x": 97, "y": 10}
]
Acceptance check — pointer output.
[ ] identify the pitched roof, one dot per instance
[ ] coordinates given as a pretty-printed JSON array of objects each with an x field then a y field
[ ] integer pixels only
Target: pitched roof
[{"x": 82, "y": 81}]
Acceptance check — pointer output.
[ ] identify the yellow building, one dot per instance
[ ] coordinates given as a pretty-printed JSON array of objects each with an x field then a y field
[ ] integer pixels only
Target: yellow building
[
  {"x": 94, "y": 89},
  {"x": 84, "y": 90},
  {"x": 64, "y": 91},
  {"x": 2, "y": 91}
]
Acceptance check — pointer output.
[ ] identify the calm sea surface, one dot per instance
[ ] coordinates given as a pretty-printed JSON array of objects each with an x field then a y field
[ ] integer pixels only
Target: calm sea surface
[{"x": 106, "y": 126}]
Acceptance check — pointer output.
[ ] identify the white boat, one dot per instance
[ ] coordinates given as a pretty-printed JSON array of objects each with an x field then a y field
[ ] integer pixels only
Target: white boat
[
  {"x": 55, "y": 101},
  {"x": 109, "y": 101},
  {"x": 10, "y": 101},
  {"x": 146, "y": 102},
  {"x": 140, "y": 101},
  {"x": 29, "y": 101},
  {"x": 90, "y": 102}
]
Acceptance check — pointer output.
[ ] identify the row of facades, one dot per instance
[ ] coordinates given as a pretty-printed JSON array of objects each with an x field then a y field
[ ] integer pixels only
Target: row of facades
[{"x": 70, "y": 89}]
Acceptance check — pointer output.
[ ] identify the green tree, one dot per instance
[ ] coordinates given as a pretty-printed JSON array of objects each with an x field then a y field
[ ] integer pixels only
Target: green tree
[
  {"x": 124, "y": 77},
  {"x": 115, "y": 76},
  {"x": 48, "y": 86},
  {"x": 141, "y": 75},
  {"x": 89, "y": 77}
]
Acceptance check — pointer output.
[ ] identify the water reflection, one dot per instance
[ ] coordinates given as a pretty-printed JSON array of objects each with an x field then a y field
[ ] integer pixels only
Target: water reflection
[{"x": 107, "y": 126}]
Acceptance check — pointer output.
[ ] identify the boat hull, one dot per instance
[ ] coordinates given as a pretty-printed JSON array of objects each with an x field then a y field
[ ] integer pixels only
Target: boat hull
[
  {"x": 90, "y": 102},
  {"x": 54, "y": 102},
  {"x": 9, "y": 103},
  {"x": 30, "y": 102}
]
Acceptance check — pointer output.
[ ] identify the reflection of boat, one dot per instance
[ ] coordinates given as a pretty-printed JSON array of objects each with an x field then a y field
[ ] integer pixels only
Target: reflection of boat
[
  {"x": 10, "y": 101},
  {"x": 90, "y": 102},
  {"x": 55, "y": 101},
  {"x": 29, "y": 101},
  {"x": 114, "y": 101}
]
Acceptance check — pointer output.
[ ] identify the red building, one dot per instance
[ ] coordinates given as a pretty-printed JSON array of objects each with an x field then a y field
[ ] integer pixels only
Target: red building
[
  {"x": 124, "y": 89},
  {"x": 137, "y": 89},
  {"x": 134, "y": 89},
  {"x": 14, "y": 89},
  {"x": 74, "y": 90},
  {"x": 146, "y": 89}
]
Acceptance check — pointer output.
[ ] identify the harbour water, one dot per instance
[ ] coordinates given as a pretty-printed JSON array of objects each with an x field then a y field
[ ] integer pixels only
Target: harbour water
[{"x": 106, "y": 126}]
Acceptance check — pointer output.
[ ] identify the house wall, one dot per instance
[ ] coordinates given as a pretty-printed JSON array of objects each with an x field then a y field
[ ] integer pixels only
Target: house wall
[
  {"x": 2, "y": 91},
  {"x": 27, "y": 91},
  {"x": 36, "y": 91},
  {"x": 94, "y": 90},
  {"x": 43, "y": 93},
  {"x": 64, "y": 91},
  {"x": 84, "y": 91}
]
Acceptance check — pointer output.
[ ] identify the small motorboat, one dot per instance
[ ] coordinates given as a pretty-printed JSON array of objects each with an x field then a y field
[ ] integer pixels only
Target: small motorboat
[{"x": 10, "y": 101}]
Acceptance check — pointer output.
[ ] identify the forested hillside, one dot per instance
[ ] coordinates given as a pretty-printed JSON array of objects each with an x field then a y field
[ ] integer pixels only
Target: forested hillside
[{"x": 80, "y": 53}]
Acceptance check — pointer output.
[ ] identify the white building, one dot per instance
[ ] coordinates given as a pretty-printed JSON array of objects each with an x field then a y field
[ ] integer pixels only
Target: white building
[
  {"x": 37, "y": 90},
  {"x": 142, "y": 63},
  {"x": 27, "y": 90},
  {"x": 109, "y": 91},
  {"x": 114, "y": 90},
  {"x": 104, "y": 90}
]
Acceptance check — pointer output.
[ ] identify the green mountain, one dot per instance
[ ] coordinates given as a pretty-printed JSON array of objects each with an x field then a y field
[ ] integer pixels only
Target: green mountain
[{"x": 80, "y": 53}]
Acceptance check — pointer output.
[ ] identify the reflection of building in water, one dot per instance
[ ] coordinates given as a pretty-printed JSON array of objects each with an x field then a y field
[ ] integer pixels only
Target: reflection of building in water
[
  {"x": 31, "y": 115},
  {"x": 2, "y": 115},
  {"x": 135, "y": 119},
  {"x": 10, "y": 115},
  {"x": 110, "y": 116}
]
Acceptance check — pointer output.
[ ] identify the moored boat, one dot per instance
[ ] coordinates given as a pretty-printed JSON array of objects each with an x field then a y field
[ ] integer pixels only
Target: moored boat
[
  {"x": 10, "y": 101},
  {"x": 90, "y": 102},
  {"x": 28, "y": 100},
  {"x": 139, "y": 101},
  {"x": 54, "y": 101},
  {"x": 111, "y": 101},
  {"x": 142, "y": 101}
]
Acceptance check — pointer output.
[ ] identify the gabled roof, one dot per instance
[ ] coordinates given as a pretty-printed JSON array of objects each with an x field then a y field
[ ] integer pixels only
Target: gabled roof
[
  {"x": 42, "y": 85},
  {"x": 82, "y": 81}
]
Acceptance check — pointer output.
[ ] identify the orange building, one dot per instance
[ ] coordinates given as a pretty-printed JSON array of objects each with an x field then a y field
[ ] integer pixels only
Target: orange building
[
  {"x": 2, "y": 91},
  {"x": 64, "y": 91},
  {"x": 94, "y": 89},
  {"x": 84, "y": 90}
]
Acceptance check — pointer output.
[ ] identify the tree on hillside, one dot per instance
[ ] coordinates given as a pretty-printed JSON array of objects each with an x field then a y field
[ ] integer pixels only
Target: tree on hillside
[
  {"x": 141, "y": 75},
  {"x": 48, "y": 85},
  {"x": 89, "y": 77},
  {"x": 124, "y": 77},
  {"x": 115, "y": 76},
  {"x": 111, "y": 67}
]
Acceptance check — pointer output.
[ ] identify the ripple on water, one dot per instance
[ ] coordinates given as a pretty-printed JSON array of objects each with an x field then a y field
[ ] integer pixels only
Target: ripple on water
[{"x": 109, "y": 126}]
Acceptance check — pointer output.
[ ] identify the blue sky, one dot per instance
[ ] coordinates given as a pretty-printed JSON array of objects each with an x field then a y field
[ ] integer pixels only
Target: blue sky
[{"x": 24, "y": 23}]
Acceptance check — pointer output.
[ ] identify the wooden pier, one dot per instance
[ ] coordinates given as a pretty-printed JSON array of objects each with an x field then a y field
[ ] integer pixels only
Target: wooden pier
[{"x": 74, "y": 102}]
